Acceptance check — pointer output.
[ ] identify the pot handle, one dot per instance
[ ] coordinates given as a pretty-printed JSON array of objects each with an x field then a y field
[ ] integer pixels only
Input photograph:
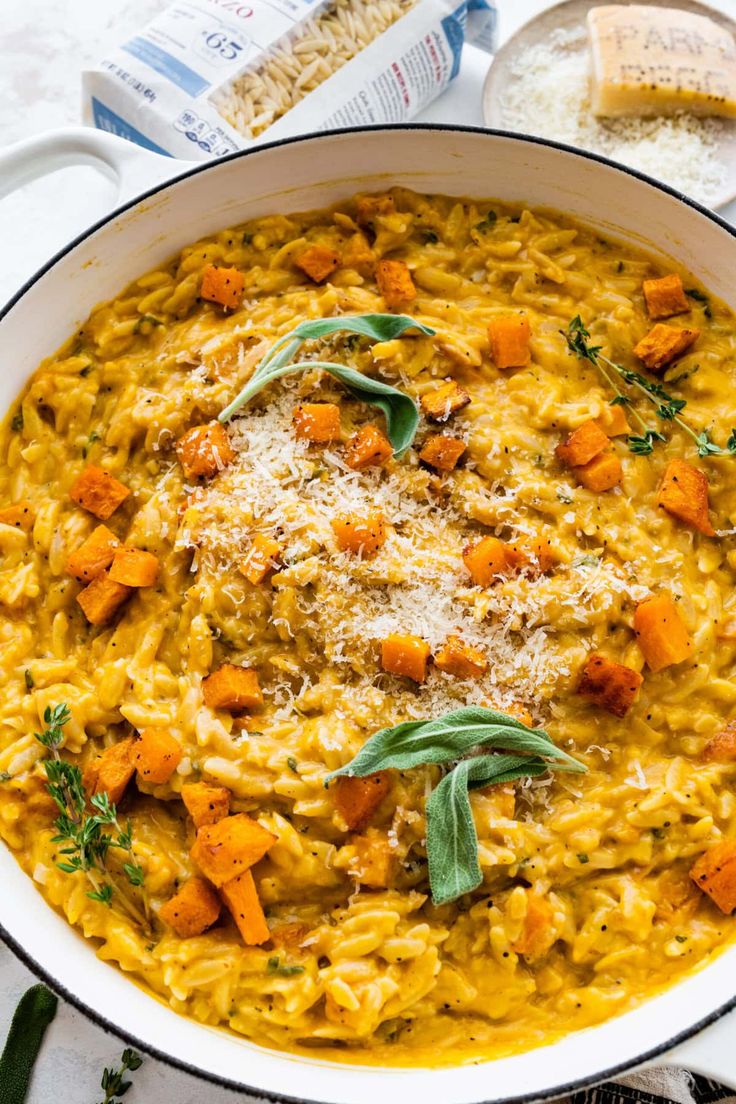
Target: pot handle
[
  {"x": 711, "y": 1052},
  {"x": 131, "y": 167}
]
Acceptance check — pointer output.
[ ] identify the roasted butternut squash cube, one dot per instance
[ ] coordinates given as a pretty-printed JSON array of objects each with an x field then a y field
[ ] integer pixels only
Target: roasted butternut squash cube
[
  {"x": 224, "y": 286},
  {"x": 318, "y": 262},
  {"x": 683, "y": 493},
  {"x": 491, "y": 557},
  {"x": 509, "y": 338},
  {"x": 600, "y": 474},
  {"x": 357, "y": 799},
  {"x": 540, "y": 553},
  {"x": 358, "y": 254},
  {"x": 368, "y": 207},
  {"x": 363, "y": 536},
  {"x": 232, "y": 688},
  {"x": 94, "y": 555},
  {"x": 204, "y": 450},
  {"x": 538, "y": 934},
  {"x": 442, "y": 452},
  {"x": 20, "y": 515},
  {"x": 520, "y": 713},
  {"x": 206, "y": 804},
  {"x": 583, "y": 444},
  {"x": 225, "y": 850},
  {"x": 102, "y": 599},
  {"x": 369, "y": 448},
  {"x": 404, "y": 654},
  {"x": 134, "y": 567},
  {"x": 516, "y": 710},
  {"x": 112, "y": 772},
  {"x": 156, "y": 754},
  {"x": 395, "y": 283},
  {"x": 439, "y": 405},
  {"x": 317, "y": 422},
  {"x": 193, "y": 909},
  {"x": 661, "y": 633},
  {"x": 721, "y": 748},
  {"x": 98, "y": 491},
  {"x": 462, "y": 660},
  {"x": 373, "y": 862},
  {"x": 665, "y": 296},
  {"x": 613, "y": 420},
  {"x": 715, "y": 873},
  {"x": 609, "y": 684},
  {"x": 260, "y": 559},
  {"x": 663, "y": 344},
  {"x": 241, "y": 897}
]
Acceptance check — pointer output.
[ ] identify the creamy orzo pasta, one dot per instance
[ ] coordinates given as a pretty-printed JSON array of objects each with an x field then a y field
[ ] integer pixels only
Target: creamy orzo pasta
[{"x": 202, "y": 620}]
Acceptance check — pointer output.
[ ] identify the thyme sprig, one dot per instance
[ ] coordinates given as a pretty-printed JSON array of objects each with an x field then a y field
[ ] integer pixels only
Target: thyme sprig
[
  {"x": 668, "y": 408},
  {"x": 113, "y": 1080},
  {"x": 86, "y": 843}
]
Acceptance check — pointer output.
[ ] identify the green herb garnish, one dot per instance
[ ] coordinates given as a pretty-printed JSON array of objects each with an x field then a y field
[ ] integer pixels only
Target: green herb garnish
[
  {"x": 667, "y": 407},
  {"x": 402, "y": 417},
  {"x": 113, "y": 1083},
  {"x": 292, "y": 764},
  {"x": 731, "y": 442},
  {"x": 28, "y": 677},
  {"x": 588, "y": 560},
  {"x": 16, "y": 422},
  {"x": 273, "y": 967},
  {"x": 700, "y": 297},
  {"x": 486, "y": 223},
  {"x": 36, "y": 1009},
  {"x": 86, "y": 843},
  {"x": 452, "y": 843},
  {"x": 583, "y": 858}
]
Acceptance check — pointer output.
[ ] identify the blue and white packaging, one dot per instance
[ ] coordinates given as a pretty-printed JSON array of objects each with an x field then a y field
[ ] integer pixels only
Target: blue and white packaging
[{"x": 183, "y": 85}]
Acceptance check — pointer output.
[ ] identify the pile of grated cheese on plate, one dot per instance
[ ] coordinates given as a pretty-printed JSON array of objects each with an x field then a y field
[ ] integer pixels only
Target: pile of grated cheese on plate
[{"x": 550, "y": 96}]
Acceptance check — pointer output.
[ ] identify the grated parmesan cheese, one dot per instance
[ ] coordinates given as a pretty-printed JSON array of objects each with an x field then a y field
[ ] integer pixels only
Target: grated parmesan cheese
[
  {"x": 416, "y": 583},
  {"x": 550, "y": 96}
]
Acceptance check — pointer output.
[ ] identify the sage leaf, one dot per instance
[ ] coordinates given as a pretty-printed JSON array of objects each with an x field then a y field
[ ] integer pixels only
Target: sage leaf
[
  {"x": 452, "y": 842},
  {"x": 446, "y": 738},
  {"x": 402, "y": 417},
  {"x": 399, "y": 410},
  {"x": 36, "y": 1009}
]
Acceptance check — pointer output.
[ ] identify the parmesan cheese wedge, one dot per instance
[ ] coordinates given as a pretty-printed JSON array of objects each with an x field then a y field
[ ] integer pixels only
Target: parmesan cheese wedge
[{"x": 659, "y": 61}]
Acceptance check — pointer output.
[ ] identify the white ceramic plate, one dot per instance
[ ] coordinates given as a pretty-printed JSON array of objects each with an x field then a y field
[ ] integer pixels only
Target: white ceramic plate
[{"x": 570, "y": 16}]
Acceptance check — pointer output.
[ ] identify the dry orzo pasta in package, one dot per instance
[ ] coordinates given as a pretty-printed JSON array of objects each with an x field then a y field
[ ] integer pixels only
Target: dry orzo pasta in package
[{"x": 207, "y": 77}]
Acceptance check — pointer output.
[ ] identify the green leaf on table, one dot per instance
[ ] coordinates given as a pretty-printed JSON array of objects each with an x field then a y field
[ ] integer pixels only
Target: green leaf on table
[{"x": 36, "y": 1009}]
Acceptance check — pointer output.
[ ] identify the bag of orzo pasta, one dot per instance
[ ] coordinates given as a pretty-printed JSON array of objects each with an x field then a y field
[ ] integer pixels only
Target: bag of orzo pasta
[{"x": 207, "y": 77}]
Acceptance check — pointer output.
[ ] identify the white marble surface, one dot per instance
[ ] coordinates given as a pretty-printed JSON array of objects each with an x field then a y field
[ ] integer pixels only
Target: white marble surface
[{"x": 44, "y": 44}]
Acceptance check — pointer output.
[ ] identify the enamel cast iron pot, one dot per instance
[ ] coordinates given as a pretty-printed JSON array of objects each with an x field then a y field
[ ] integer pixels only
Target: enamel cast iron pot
[{"x": 178, "y": 203}]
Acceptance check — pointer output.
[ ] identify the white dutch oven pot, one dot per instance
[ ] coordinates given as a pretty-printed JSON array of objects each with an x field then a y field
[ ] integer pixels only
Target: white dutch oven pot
[{"x": 296, "y": 175}]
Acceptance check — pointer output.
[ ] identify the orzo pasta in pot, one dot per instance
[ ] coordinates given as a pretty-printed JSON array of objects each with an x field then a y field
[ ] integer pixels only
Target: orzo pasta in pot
[{"x": 370, "y": 688}]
